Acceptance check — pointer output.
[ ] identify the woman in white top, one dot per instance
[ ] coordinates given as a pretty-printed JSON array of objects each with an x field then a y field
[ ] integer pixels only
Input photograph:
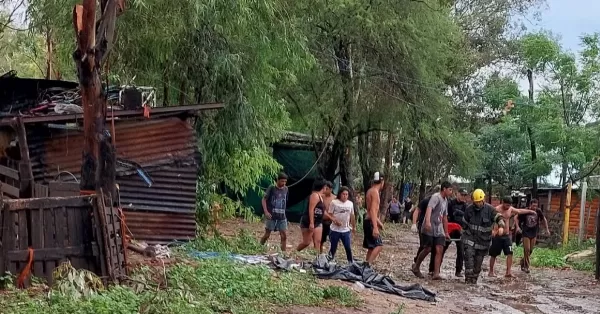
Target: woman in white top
[{"x": 341, "y": 213}]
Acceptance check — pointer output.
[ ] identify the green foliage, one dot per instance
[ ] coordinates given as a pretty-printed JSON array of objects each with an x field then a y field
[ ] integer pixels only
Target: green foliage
[
  {"x": 555, "y": 257},
  {"x": 213, "y": 286}
]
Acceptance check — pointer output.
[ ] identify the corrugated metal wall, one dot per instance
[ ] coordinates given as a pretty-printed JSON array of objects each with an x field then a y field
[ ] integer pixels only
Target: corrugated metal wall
[{"x": 167, "y": 150}]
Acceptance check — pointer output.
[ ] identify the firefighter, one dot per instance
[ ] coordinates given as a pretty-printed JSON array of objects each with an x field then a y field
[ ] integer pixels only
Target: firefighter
[{"x": 478, "y": 222}]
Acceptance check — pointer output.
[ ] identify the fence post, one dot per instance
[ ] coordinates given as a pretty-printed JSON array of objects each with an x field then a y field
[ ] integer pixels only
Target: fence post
[
  {"x": 584, "y": 187},
  {"x": 565, "y": 239}
]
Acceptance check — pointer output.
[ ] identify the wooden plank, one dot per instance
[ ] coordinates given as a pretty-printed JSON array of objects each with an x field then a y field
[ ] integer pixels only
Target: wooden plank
[
  {"x": 37, "y": 239},
  {"x": 48, "y": 202},
  {"x": 5, "y": 235},
  {"x": 63, "y": 189},
  {"x": 97, "y": 226},
  {"x": 60, "y": 221},
  {"x": 40, "y": 190},
  {"x": 23, "y": 238},
  {"x": 10, "y": 239},
  {"x": 9, "y": 189},
  {"x": 49, "y": 241},
  {"x": 25, "y": 169},
  {"x": 52, "y": 253},
  {"x": 9, "y": 172}
]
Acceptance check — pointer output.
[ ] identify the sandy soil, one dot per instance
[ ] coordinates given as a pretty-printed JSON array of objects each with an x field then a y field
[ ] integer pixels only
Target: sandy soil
[{"x": 544, "y": 291}]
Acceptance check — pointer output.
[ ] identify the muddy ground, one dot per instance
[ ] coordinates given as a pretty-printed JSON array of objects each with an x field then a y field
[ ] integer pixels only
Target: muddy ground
[{"x": 544, "y": 291}]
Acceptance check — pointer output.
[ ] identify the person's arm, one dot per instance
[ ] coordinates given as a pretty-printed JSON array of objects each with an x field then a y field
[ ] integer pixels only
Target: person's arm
[
  {"x": 433, "y": 202},
  {"x": 328, "y": 214},
  {"x": 517, "y": 227},
  {"x": 446, "y": 232},
  {"x": 523, "y": 211},
  {"x": 545, "y": 222},
  {"x": 415, "y": 215},
  {"x": 312, "y": 203},
  {"x": 264, "y": 202},
  {"x": 353, "y": 220}
]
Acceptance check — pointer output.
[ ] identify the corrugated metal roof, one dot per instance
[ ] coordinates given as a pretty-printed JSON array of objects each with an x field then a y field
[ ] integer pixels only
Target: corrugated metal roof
[
  {"x": 165, "y": 148},
  {"x": 149, "y": 143}
]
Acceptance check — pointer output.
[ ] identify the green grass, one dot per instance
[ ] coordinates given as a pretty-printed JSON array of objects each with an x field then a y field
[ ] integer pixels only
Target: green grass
[
  {"x": 554, "y": 257},
  {"x": 201, "y": 286}
]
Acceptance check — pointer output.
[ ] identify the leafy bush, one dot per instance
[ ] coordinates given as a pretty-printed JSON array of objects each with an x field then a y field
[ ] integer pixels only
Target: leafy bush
[
  {"x": 243, "y": 243},
  {"x": 555, "y": 257}
]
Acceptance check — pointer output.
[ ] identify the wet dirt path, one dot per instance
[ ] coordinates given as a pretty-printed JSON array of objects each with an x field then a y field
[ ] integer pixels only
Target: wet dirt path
[{"x": 544, "y": 291}]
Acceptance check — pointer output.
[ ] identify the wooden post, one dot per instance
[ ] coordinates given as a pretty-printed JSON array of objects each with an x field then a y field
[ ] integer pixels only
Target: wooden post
[
  {"x": 584, "y": 187},
  {"x": 567, "y": 213},
  {"x": 25, "y": 170}
]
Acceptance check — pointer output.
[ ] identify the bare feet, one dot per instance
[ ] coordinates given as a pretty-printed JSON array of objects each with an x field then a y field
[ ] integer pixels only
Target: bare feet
[
  {"x": 491, "y": 274},
  {"x": 416, "y": 271},
  {"x": 436, "y": 277},
  {"x": 509, "y": 275}
]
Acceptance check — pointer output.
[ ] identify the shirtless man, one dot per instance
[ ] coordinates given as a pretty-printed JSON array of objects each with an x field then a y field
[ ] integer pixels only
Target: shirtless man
[
  {"x": 328, "y": 196},
  {"x": 371, "y": 224},
  {"x": 501, "y": 240}
]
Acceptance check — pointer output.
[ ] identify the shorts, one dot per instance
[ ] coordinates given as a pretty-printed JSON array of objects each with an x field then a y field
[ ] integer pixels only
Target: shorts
[
  {"x": 501, "y": 245},
  {"x": 370, "y": 242},
  {"x": 305, "y": 223},
  {"x": 326, "y": 231},
  {"x": 531, "y": 233},
  {"x": 276, "y": 225},
  {"x": 395, "y": 217},
  {"x": 431, "y": 241}
]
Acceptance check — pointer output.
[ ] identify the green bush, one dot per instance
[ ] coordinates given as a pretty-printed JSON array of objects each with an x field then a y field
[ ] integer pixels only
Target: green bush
[{"x": 555, "y": 257}]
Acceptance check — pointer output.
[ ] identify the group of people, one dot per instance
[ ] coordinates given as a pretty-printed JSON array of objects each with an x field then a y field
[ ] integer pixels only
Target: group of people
[
  {"x": 327, "y": 216},
  {"x": 477, "y": 228}
]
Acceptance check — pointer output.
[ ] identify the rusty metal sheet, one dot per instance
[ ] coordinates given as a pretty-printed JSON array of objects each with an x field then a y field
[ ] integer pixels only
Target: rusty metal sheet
[
  {"x": 160, "y": 228},
  {"x": 148, "y": 143}
]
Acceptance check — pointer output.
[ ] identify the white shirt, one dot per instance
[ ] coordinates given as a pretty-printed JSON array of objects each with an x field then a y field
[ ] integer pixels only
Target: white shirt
[{"x": 341, "y": 212}]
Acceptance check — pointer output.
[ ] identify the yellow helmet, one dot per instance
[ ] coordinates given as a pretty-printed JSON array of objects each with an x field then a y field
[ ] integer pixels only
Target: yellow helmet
[{"x": 478, "y": 195}]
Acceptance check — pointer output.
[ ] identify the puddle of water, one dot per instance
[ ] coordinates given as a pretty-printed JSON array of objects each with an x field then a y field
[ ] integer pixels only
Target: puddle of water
[{"x": 494, "y": 307}]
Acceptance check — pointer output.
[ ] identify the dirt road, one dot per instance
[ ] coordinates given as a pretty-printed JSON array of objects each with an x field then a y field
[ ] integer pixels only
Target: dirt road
[{"x": 544, "y": 291}]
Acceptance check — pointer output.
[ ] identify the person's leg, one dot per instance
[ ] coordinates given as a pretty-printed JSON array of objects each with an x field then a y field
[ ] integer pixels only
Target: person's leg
[
  {"x": 470, "y": 264},
  {"x": 438, "y": 259},
  {"x": 282, "y": 227},
  {"x": 432, "y": 258},
  {"x": 269, "y": 227},
  {"x": 526, "y": 253},
  {"x": 479, "y": 255},
  {"x": 326, "y": 230},
  {"x": 307, "y": 235},
  {"x": 495, "y": 251},
  {"x": 427, "y": 244},
  {"x": 420, "y": 247},
  {"x": 347, "y": 242},
  {"x": 507, "y": 250},
  {"x": 334, "y": 239},
  {"x": 317, "y": 236},
  {"x": 460, "y": 257},
  {"x": 532, "y": 246},
  {"x": 375, "y": 249},
  {"x": 265, "y": 237}
]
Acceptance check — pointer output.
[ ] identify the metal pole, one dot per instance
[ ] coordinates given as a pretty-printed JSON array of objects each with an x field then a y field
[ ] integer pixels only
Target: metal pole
[
  {"x": 567, "y": 214},
  {"x": 582, "y": 212}
]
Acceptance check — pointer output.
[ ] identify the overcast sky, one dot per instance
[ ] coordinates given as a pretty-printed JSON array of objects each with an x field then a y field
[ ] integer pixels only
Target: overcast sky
[{"x": 569, "y": 19}]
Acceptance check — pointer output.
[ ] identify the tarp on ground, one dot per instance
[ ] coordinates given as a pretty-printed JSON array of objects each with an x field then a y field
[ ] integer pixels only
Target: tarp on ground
[{"x": 323, "y": 269}]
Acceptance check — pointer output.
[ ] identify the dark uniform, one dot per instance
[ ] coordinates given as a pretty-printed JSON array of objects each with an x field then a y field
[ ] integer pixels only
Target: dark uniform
[
  {"x": 477, "y": 236},
  {"x": 456, "y": 211}
]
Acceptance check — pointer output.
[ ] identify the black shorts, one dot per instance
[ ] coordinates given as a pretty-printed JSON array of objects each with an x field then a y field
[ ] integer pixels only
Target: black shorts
[
  {"x": 326, "y": 231},
  {"x": 305, "y": 223},
  {"x": 431, "y": 241},
  {"x": 501, "y": 245},
  {"x": 370, "y": 242},
  {"x": 395, "y": 217},
  {"x": 530, "y": 233}
]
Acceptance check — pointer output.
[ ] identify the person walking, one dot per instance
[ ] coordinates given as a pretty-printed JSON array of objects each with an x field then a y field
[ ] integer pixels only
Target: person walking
[
  {"x": 341, "y": 214},
  {"x": 328, "y": 196},
  {"x": 395, "y": 210},
  {"x": 274, "y": 204},
  {"x": 311, "y": 222},
  {"x": 530, "y": 231},
  {"x": 435, "y": 230},
  {"x": 407, "y": 210},
  {"x": 372, "y": 225},
  {"x": 478, "y": 222}
]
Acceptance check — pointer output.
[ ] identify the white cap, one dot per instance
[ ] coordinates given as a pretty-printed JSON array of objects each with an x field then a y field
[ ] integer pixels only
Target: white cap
[{"x": 377, "y": 176}]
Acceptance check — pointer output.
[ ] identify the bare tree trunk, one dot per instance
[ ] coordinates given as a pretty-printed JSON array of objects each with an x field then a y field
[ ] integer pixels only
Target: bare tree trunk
[
  {"x": 489, "y": 190},
  {"x": 49, "y": 53},
  {"x": 182, "y": 94},
  {"x": 388, "y": 189},
  {"x": 422, "y": 186},
  {"x": 534, "y": 184}
]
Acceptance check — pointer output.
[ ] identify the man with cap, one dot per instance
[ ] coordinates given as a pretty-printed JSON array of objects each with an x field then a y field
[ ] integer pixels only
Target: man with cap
[
  {"x": 456, "y": 212},
  {"x": 371, "y": 224}
]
